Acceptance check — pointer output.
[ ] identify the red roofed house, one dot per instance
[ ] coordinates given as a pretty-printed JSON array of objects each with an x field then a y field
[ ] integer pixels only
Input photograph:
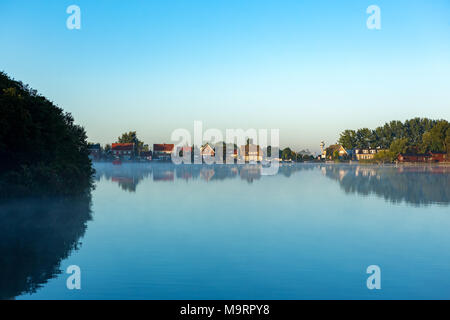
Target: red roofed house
[
  {"x": 163, "y": 151},
  {"x": 427, "y": 157},
  {"x": 438, "y": 156},
  {"x": 123, "y": 150}
]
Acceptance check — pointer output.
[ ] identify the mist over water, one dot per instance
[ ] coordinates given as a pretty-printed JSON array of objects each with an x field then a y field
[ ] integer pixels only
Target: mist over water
[{"x": 160, "y": 231}]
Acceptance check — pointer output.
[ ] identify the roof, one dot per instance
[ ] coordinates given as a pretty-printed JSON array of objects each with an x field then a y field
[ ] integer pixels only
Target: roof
[
  {"x": 414, "y": 154},
  {"x": 163, "y": 147},
  {"x": 122, "y": 146},
  {"x": 205, "y": 147}
]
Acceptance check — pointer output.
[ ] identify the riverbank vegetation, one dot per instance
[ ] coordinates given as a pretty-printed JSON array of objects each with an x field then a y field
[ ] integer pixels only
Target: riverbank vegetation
[
  {"x": 42, "y": 150},
  {"x": 415, "y": 136}
]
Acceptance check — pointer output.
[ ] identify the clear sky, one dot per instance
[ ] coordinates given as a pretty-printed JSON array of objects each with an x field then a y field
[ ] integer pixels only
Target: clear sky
[{"x": 309, "y": 68}]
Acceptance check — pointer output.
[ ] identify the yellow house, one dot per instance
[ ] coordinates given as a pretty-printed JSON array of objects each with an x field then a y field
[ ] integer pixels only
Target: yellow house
[
  {"x": 365, "y": 154},
  {"x": 251, "y": 152}
]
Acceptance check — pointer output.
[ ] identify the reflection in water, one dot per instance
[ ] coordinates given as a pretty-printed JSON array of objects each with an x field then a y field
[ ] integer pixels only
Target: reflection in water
[
  {"x": 128, "y": 176},
  {"x": 418, "y": 185},
  {"x": 35, "y": 236}
]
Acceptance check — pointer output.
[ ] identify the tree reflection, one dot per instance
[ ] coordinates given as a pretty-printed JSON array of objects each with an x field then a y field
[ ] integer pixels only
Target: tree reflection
[
  {"x": 417, "y": 185},
  {"x": 128, "y": 176},
  {"x": 35, "y": 236}
]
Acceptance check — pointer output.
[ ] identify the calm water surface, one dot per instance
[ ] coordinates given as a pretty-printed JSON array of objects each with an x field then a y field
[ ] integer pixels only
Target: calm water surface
[{"x": 226, "y": 232}]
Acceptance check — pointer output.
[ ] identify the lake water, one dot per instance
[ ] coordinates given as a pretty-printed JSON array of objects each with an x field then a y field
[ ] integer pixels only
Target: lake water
[{"x": 160, "y": 231}]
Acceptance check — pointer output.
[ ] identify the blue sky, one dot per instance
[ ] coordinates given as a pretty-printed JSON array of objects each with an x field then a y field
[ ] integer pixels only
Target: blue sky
[{"x": 309, "y": 68}]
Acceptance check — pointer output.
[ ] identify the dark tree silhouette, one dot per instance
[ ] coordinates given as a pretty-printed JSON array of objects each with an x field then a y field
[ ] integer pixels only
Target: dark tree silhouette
[{"x": 42, "y": 151}]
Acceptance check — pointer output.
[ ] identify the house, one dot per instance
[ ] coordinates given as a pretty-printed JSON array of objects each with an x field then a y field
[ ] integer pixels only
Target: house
[
  {"x": 333, "y": 148},
  {"x": 230, "y": 152},
  {"x": 163, "y": 151},
  {"x": 342, "y": 151},
  {"x": 439, "y": 157},
  {"x": 186, "y": 150},
  {"x": 424, "y": 157},
  {"x": 94, "y": 151},
  {"x": 207, "y": 151},
  {"x": 251, "y": 152},
  {"x": 366, "y": 154},
  {"x": 412, "y": 157},
  {"x": 123, "y": 150}
]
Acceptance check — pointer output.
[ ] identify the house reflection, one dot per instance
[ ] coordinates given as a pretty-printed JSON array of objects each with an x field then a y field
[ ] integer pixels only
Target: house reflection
[{"x": 417, "y": 185}]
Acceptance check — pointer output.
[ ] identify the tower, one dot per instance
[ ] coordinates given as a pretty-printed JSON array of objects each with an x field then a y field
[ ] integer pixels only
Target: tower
[{"x": 322, "y": 145}]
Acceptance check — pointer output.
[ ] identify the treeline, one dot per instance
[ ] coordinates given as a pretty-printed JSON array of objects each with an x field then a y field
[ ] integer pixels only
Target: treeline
[
  {"x": 42, "y": 151},
  {"x": 418, "y": 135}
]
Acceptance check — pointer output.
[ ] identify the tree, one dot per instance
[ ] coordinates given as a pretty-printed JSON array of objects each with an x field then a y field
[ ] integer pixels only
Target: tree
[
  {"x": 335, "y": 155},
  {"x": 330, "y": 151},
  {"x": 364, "y": 138},
  {"x": 384, "y": 156},
  {"x": 413, "y": 130},
  {"x": 436, "y": 140},
  {"x": 348, "y": 139},
  {"x": 131, "y": 137},
  {"x": 288, "y": 154},
  {"x": 42, "y": 150},
  {"x": 399, "y": 146}
]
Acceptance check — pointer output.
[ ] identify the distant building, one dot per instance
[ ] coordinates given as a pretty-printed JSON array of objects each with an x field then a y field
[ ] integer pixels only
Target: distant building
[
  {"x": 186, "y": 150},
  {"x": 328, "y": 152},
  {"x": 251, "y": 153},
  {"x": 424, "y": 157},
  {"x": 323, "y": 152},
  {"x": 94, "y": 151},
  {"x": 365, "y": 154},
  {"x": 123, "y": 150},
  {"x": 342, "y": 151},
  {"x": 439, "y": 157},
  {"x": 206, "y": 150},
  {"x": 163, "y": 151}
]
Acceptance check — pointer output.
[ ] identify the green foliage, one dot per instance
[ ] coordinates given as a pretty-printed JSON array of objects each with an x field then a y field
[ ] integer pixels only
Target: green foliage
[
  {"x": 335, "y": 155},
  {"x": 384, "y": 156},
  {"x": 399, "y": 146},
  {"x": 418, "y": 135},
  {"x": 332, "y": 152},
  {"x": 42, "y": 151},
  {"x": 348, "y": 139},
  {"x": 288, "y": 154},
  {"x": 131, "y": 137},
  {"x": 383, "y": 136},
  {"x": 436, "y": 140}
]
